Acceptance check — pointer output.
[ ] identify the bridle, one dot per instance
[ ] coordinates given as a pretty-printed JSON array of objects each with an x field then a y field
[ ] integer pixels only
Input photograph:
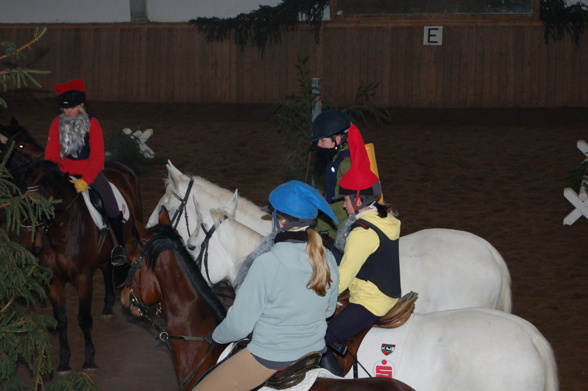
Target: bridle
[
  {"x": 46, "y": 224},
  {"x": 203, "y": 254},
  {"x": 20, "y": 158},
  {"x": 144, "y": 310},
  {"x": 182, "y": 208}
]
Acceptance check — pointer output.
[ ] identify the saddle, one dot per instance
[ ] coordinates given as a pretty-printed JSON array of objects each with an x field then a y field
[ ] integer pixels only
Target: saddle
[
  {"x": 397, "y": 316},
  {"x": 295, "y": 373},
  {"x": 96, "y": 208},
  {"x": 400, "y": 313},
  {"x": 289, "y": 377}
]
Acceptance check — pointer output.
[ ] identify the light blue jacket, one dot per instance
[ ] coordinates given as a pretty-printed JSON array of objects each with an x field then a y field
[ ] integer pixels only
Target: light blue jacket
[{"x": 288, "y": 320}]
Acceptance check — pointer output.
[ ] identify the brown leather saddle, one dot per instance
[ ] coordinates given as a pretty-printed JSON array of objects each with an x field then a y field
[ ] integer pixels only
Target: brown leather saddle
[
  {"x": 295, "y": 373},
  {"x": 396, "y": 317},
  {"x": 400, "y": 313}
]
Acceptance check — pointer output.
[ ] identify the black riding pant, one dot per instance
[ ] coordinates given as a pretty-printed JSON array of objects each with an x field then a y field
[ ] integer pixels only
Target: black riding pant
[{"x": 102, "y": 186}]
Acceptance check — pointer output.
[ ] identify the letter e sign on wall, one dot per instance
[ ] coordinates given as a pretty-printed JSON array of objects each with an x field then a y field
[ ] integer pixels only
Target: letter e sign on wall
[{"x": 433, "y": 35}]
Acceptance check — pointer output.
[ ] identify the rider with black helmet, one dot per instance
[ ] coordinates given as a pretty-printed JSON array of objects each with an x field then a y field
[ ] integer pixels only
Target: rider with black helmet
[{"x": 329, "y": 131}]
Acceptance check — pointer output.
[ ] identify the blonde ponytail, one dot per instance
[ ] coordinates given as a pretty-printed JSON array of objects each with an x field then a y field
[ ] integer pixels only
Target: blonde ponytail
[{"x": 321, "y": 275}]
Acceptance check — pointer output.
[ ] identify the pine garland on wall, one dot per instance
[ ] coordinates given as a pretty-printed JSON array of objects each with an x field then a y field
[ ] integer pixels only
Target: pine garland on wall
[
  {"x": 561, "y": 19},
  {"x": 265, "y": 25}
]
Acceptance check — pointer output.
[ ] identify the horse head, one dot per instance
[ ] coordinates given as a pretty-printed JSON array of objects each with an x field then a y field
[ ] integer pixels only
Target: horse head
[{"x": 26, "y": 149}]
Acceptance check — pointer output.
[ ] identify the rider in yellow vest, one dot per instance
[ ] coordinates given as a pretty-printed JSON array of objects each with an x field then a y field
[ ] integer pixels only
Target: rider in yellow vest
[{"x": 370, "y": 266}]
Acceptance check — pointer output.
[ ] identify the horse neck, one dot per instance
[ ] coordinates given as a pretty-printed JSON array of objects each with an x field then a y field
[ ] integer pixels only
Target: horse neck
[
  {"x": 229, "y": 246},
  {"x": 185, "y": 314},
  {"x": 51, "y": 182},
  {"x": 211, "y": 196}
]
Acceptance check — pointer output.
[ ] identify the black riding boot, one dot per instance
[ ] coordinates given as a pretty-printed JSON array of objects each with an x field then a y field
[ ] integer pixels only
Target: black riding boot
[
  {"x": 118, "y": 257},
  {"x": 329, "y": 362}
]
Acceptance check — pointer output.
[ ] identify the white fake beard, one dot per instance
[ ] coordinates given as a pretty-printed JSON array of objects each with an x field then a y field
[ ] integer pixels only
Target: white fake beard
[
  {"x": 343, "y": 231},
  {"x": 72, "y": 131}
]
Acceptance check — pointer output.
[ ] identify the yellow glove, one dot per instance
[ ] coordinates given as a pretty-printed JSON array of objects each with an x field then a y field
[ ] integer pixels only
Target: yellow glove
[{"x": 80, "y": 185}]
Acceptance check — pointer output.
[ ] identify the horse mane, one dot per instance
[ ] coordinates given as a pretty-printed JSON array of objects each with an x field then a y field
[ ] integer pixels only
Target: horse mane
[
  {"x": 166, "y": 238},
  {"x": 266, "y": 244}
]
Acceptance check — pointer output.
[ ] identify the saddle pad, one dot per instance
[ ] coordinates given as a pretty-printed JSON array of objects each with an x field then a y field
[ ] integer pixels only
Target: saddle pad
[
  {"x": 122, "y": 206},
  {"x": 308, "y": 381},
  {"x": 380, "y": 352}
]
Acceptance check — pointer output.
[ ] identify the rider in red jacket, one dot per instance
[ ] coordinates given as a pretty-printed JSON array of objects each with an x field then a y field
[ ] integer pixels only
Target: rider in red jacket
[{"x": 76, "y": 145}]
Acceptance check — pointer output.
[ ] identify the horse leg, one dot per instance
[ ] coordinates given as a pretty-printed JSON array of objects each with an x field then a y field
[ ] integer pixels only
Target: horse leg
[
  {"x": 109, "y": 293},
  {"x": 57, "y": 298},
  {"x": 85, "y": 320}
]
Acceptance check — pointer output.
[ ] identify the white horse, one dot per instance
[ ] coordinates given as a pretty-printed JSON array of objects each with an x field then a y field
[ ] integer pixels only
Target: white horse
[
  {"x": 449, "y": 269},
  {"x": 466, "y": 349},
  {"x": 472, "y": 349}
]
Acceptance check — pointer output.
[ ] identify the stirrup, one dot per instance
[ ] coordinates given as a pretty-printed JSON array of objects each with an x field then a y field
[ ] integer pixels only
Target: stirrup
[{"x": 118, "y": 256}]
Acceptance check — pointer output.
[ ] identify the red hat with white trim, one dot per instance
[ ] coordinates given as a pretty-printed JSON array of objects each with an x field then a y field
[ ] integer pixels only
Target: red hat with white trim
[{"x": 70, "y": 93}]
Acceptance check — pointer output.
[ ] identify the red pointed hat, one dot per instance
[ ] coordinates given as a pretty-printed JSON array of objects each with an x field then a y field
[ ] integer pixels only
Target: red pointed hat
[
  {"x": 360, "y": 176},
  {"x": 72, "y": 85}
]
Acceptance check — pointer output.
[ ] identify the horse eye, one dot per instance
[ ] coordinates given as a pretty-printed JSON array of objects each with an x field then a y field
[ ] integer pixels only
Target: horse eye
[{"x": 21, "y": 146}]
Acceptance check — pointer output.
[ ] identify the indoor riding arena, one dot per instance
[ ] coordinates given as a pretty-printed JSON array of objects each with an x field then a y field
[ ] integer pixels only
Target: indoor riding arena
[{"x": 484, "y": 131}]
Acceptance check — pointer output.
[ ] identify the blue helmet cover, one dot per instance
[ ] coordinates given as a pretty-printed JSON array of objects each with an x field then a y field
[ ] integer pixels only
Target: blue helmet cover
[{"x": 300, "y": 200}]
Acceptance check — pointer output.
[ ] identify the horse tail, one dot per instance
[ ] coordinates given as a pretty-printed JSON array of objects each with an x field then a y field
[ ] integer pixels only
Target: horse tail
[
  {"x": 505, "y": 298},
  {"x": 548, "y": 357}
]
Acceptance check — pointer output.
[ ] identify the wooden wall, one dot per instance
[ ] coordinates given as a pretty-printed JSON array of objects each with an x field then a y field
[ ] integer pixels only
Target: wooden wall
[{"x": 479, "y": 64}]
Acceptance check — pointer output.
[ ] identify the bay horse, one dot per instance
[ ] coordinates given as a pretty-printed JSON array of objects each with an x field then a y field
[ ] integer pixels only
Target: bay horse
[
  {"x": 165, "y": 273},
  {"x": 448, "y": 268},
  {"x": 69, "y": 243},
  {"x": 460, "y": 350}
]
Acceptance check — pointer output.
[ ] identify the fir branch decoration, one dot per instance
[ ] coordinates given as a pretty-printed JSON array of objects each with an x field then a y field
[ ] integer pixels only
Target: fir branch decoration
[
  {"x": 265, "y": 25},
  {"x": 18, "y": 77},
  {"x": 561, "y": 19}
]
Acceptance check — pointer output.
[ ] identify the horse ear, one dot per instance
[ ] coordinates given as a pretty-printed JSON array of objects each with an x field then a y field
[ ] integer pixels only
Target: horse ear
[
  {"x": 172, "y": 170},
  {"x": 164, "y": 216},
  {"x": 231, "y": 206},
  {"x": 13, "y": 122}
]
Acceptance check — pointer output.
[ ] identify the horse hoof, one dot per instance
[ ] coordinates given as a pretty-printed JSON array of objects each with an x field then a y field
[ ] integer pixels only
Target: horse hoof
[
  {"x": 90, "y": 367},
  {"x": 63, "y": 372}
]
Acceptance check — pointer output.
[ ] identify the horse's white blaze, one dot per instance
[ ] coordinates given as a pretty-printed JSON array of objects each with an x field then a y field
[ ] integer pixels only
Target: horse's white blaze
[{"x": 449, "y": 269}]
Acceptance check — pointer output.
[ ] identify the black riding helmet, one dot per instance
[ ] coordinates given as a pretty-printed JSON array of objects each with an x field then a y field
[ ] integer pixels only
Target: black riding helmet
[{"x": 329, "y": 123}]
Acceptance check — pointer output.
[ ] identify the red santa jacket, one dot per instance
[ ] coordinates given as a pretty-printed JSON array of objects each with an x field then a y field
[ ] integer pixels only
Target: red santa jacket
[{"x": 88, "y": 167}]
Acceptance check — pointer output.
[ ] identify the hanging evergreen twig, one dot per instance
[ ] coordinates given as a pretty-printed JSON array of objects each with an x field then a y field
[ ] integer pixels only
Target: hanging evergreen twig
[
  {"x": 561, "y": 19},
  {"x": 265, "y": 25},
  {"x": 17, "y": 77}
]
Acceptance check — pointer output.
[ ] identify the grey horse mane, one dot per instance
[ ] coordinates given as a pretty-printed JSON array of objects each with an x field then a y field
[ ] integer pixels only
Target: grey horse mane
[{"x": 266, "y": 244}]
